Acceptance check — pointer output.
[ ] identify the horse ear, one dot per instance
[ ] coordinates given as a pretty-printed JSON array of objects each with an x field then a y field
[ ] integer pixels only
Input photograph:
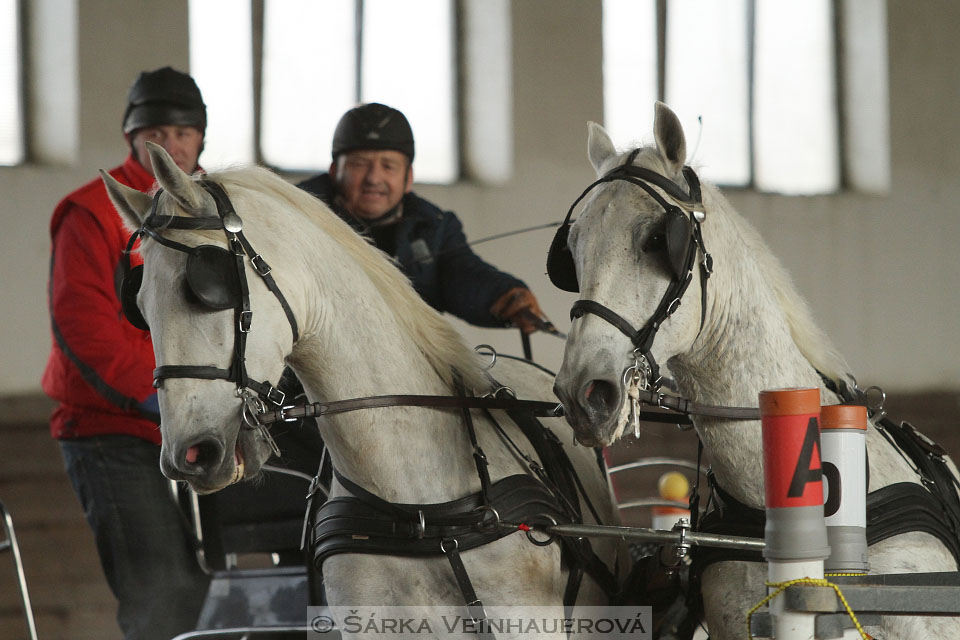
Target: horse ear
[
  {"x": 132, "y": 205},
  {"x": 670, "y": 139},
  {"x": 599, "y": 146},
  {"x": 174, "y": 181}
]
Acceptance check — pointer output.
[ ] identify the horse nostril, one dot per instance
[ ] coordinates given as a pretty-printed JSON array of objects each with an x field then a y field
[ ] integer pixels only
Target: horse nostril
[
  {"x": 201, "y": 455},
  {"x": 600, "y": 398}
]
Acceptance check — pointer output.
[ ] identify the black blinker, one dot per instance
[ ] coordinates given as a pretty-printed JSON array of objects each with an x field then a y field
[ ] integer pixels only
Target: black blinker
[
  {"x": 560, "y": 266},
  {"x": 679, "y": 239},
  {"x": 129, "y": 288},
  {"x": 212, "y": 277}
]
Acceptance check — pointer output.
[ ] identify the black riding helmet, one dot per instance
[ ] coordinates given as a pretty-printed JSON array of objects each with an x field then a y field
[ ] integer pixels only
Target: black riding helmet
[
  {"x": 373, "y": 126},
  {"x": 164, "y": 97}
]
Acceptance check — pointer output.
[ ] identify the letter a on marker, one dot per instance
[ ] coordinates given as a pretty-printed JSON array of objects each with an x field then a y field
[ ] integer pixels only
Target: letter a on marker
[{"x": 803, "y": 474}]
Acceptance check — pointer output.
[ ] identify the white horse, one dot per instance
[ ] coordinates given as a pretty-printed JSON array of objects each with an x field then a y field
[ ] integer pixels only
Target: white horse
[
  {"x": 363, "y": 331},
  {"x": 756, "y": 333}
]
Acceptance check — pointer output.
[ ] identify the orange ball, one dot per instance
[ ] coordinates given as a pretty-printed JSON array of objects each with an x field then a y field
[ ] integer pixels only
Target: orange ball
[{"x": 673, "y": 485}]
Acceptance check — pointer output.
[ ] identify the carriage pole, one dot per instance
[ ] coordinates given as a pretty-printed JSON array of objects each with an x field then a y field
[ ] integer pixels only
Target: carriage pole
[{"x": 795, "y": 532}]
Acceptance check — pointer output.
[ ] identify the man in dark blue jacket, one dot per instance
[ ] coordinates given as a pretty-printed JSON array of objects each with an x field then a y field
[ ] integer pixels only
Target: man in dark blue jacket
[{"x": 370, "y": 186}]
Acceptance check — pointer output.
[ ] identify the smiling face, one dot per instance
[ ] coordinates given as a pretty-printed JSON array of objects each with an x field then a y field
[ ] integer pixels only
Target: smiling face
[{"x": 372, "y": 182}]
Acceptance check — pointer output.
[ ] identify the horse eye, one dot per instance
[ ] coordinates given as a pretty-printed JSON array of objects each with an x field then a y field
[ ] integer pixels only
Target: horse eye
[{"x": 656, "y": 242}]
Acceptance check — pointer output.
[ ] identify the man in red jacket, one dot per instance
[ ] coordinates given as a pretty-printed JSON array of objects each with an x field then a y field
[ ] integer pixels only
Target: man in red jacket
[{"x": 100, "y": 372}]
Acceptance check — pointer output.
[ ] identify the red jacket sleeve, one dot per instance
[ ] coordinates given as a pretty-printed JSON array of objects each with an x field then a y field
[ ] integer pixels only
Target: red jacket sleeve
[{"x": 114, "y": 357}]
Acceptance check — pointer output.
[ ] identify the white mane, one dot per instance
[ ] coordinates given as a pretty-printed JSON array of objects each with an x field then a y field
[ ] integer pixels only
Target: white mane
[
  {"x": 435, "y": 337},
  {"x": 812, "y": 342}
]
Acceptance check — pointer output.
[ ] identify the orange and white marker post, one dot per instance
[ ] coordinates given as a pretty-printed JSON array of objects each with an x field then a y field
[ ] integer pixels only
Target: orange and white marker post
[
  {"x": 843, "y": 430},
  {"x": 795, "y": 533}
]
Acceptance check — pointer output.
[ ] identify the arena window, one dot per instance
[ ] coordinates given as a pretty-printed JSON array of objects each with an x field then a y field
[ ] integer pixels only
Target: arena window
[
  {"x": 305, "y": 63},
  {"x": 757, "y": 84},
  {"x": 12, "y": 147}
]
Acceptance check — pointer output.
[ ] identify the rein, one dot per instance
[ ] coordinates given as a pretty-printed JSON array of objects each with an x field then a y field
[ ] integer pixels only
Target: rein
[{"x": 292, "y": 413}]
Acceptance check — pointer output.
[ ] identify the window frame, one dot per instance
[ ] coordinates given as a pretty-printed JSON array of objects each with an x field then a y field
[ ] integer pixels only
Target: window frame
[
  {"x": 844, "y": 105},
  {"x": 457, "y": 93},
  {"x": 22, "y": 153}
]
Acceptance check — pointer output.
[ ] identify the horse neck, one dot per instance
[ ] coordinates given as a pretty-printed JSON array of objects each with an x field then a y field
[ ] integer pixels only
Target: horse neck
[
  {"x": 745, "y": 347},
  {"x": 354, "y": 346}
]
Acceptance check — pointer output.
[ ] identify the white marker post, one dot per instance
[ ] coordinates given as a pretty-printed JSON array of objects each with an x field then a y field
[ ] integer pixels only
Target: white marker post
[{"x": 843, "y": 430}]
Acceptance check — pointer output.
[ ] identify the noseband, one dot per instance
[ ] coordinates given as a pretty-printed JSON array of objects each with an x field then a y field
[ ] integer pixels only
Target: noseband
[
  {"x": 684, "y": 241},
  {"x": 221, "y": 283}
]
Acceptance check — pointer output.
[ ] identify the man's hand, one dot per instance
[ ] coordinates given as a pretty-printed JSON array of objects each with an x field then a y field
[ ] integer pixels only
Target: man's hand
[{"x": 519, "y": 307}]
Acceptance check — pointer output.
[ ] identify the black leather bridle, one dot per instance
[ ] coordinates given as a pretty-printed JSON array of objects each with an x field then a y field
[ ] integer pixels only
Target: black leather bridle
[
  {"x": 255, "y": 394},
  {"x": 683, "y": 229}
]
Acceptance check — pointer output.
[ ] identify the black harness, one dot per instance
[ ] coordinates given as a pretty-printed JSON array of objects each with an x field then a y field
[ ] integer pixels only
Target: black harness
[
  {"x": 684, "y": 240},
  {"x": 364, "y": 523},
  {"x": 217, "y": 279}
]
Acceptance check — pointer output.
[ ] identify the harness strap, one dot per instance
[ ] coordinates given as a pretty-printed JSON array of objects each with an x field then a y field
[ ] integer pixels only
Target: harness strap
[
  {"x": 479, "y": 457},
  {"x": 263, "y": 270},
  {"x": 450, "y": 548},
  {"x": 367, "y": 523},
  {"x": 317, "y": 409}
]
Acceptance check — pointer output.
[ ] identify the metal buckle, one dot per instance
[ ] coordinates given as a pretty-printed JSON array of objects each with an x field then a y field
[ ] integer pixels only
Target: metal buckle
[
  {"x": 272, "y": 394},
  {"x": 246, "y": 320},
  {"x": 282, "y": 414},
  {"x": 260, "y": 265}
]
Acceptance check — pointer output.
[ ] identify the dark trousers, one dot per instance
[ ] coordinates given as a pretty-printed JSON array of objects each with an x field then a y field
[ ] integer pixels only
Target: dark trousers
[{"x": 141, "y": 535}]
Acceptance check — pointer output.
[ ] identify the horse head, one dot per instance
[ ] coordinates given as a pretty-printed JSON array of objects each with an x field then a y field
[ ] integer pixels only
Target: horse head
[
  {"x": 634, "y": 248},
  {"x": 215, "y": 324}
]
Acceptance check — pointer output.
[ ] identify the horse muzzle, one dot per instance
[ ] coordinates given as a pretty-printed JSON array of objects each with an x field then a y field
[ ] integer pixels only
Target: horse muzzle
[
  {"x": 208, "y": 465},
  {"x": 592, "y": 407}
]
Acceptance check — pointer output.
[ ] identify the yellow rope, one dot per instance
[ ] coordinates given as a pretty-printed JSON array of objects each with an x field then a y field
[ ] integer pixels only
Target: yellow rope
[{"x": 782, "y": 586}]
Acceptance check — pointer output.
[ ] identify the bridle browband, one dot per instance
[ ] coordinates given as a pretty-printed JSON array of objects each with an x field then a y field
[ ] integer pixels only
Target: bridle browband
[
  {"x": 646, "y": 366},
  {"x": 254, "y": 393}
]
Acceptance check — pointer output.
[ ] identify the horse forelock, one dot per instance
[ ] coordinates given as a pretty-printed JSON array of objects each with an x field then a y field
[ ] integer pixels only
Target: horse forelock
[{"x": 434, "y": 335}]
